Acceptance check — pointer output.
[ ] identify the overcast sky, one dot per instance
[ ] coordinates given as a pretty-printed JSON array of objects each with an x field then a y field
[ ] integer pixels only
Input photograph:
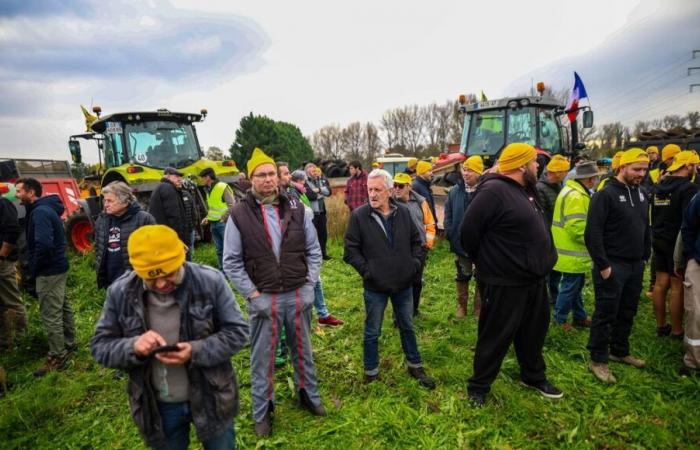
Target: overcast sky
[{"x": 314, "y": 62}]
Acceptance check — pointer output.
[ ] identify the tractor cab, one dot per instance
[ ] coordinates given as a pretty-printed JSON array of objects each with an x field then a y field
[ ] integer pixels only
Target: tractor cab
[{"x": 491, "y": 125}]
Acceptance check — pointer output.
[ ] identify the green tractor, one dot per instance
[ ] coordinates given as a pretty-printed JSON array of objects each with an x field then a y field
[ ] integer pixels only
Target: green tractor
[{"x": 136, "y": 147}]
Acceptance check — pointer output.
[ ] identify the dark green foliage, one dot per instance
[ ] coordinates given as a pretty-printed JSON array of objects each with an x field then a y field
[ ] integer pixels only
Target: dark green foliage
[
  {"x": 86, "y": 407},
  {"x": 281, "y": 140}
]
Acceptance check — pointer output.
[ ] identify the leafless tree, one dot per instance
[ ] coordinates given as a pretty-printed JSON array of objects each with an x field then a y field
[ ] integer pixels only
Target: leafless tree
[
  {"x": 327, "y": 142},
  {"x": 373, "y": 144},
  {"x": 353, "y": 141},
  {"x": 673, "y": 121},
  {"x": 693, "y": 119},
  {"x": 214, "y": 153}
]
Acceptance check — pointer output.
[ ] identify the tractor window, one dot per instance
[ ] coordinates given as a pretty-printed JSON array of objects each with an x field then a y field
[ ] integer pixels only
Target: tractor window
[
  {"x": 521, "y": 126},
  {"x": 465, "y": 133},
  {"x": 114, "y": 152},
  {"x": 162, "y": 144},
  {"x": 549, "y": 131},
  {"x": 486, "y": 136}
]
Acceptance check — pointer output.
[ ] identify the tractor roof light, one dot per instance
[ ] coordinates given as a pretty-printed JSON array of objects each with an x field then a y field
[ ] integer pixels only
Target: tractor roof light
[
  {"x": 540, "y": 87},
  {"x": 229, "y": 163},
  {"x": 462, "y": 99},
  {"x": 513, "y": 104},
  {"x": 97, "y": 110},
  {"x": 524, "y": 102}
]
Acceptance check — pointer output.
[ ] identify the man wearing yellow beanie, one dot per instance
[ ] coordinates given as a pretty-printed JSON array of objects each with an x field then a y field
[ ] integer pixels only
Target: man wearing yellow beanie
[
  {"x": 614, "y": 169},
  {"x": 548, "y": 188},
  {"x": 670, "y": 199},
  {"x": 618, "y": 240},
  {"x": 455, "y": 206},
  {"x": 173, "y": 326},
  {"x": 505, "y": 232},
  {"x": 411, "y": 167},
  {"x": 667, "y": 154},
  {"x": 273, "y": 258},
  {"x": 421, "y": 184}
]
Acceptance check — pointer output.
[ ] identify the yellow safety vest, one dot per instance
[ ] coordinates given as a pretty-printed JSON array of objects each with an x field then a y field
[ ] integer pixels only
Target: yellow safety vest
[
  {"x": 654, "y": 175},
  {"x": 568, "y": 227},
  {"x": 216, "y": 203}
]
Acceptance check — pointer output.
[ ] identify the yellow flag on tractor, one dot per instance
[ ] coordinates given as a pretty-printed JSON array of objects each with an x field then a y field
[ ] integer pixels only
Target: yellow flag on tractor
[{"x": 89, "y": 118}]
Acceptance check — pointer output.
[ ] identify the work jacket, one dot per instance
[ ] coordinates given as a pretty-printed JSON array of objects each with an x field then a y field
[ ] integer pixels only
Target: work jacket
[{"x": 568, "y": 227}]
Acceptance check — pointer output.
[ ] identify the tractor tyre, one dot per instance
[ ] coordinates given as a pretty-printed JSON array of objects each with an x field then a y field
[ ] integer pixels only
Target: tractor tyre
[{"x": 79, "y": 232}]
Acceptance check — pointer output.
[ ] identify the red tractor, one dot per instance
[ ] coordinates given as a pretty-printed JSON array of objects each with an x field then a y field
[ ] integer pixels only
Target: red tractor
[{"x": 56, "y": 179}]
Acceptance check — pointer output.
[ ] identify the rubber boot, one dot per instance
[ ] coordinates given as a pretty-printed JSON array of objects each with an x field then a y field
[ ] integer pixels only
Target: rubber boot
[{"x": 462, "y": 298}]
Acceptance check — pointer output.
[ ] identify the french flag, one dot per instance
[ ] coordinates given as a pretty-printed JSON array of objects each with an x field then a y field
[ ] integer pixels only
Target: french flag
[{"x": 577, "y": 94}]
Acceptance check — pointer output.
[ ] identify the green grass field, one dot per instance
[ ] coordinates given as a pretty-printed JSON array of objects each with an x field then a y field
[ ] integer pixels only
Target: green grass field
[{"x": 85, "y": 406}]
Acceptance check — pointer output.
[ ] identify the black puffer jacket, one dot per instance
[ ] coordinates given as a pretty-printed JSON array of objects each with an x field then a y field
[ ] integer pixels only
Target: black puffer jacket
[
  {"x": 211, "y": 322},
  {"x": 130, "y": 221},
  {"x": 168, "y": 208},
  {"x": 547, "y": 196}
]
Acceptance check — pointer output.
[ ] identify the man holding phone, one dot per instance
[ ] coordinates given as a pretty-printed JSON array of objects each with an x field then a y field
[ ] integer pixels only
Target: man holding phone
[{"x": 173, "y": 327}]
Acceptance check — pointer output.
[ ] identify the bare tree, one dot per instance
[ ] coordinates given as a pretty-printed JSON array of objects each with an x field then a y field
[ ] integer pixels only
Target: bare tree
[
  {"x": 673, "y": 121},
  {"x": 373, "y": 144},
  {"x": 214, "y": 153},
  {"x": 693, "y": 119},
  {"x": 353, "y": 141},
  {"x": 391, "y": 125},
  {"x": 640, "y": 127},
  {"x": 327, "y": 142}
]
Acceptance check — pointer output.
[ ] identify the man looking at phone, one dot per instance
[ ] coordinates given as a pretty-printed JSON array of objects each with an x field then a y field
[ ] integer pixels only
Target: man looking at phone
[{"x": 173, "y": 327}]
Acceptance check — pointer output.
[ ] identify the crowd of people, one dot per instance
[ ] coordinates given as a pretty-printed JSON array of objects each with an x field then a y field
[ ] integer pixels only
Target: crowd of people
[{"x": 172, "y": 325}]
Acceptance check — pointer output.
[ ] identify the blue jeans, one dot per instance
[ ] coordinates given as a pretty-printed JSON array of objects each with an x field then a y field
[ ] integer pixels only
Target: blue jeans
[
  {"x": 176, "y": 419},
  {"x": 217, "y": 235},
  {"x": 570, "y": 298},
  {"x": 375, "y": 304},
  {"x": 320, "y": 301}
]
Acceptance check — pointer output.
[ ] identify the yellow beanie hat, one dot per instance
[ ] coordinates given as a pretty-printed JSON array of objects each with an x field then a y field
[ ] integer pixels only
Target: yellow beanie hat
[
  {"x": 155, "y": 251},
  {"x": 258, "y": 158},
  {"x": 558, "y": 163},
  {"x": 653, "y": 149},
  {"x": 616, "y": 160},
  {"x": 423, "y": 167},
  {"x": 682, "y": 159},
  {"x": 402, "y": 178},
  {"x": 516, "y": 155},
  {"x": 412, "y": 163},
  {"x": 669, "y": 151},
  {"x": 634, "y": 155},
  {"x": 475, "y": 164}
]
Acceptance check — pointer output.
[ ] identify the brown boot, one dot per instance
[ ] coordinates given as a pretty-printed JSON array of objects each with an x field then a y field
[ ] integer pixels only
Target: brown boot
[
  {"x": 52, "y": 363},
  {"x": 462, "y": 298}
]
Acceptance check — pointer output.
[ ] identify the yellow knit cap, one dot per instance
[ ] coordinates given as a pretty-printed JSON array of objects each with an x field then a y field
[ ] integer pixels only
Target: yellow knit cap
[
  {"x": 634, "y": 155},
  {"x": 516, "y": 155},
  {"x": 258, "y": 158},
  {"x": 682, "y": 159},
  {"x": 155, "y": 251},
  {"x": 423, "y": 167},
  {"x": 616, "y": 160},
  {"x": 475, "y": 164},
  {"x": 376, "y": 165},
  {"x": 653, "y": 149},
  {"x": 402, "y": 178},
  {"x": 669, "y": 151},
  {"x": 412, "y": 163},
  {"x": 558, "y": 164}
]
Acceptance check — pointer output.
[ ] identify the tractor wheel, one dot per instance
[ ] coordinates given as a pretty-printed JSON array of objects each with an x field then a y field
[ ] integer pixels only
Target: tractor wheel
[{"x": 79, "y": 232}]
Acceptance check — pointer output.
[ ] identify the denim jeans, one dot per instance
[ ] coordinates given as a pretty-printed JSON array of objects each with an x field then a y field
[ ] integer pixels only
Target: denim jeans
[
  {"x": 375, "y": 304},
  {"x": 570, "y": 298},
  {"x": 176, "y": 419},
  {"x": 320, "y": 301},
  {"x": 217, "y": 235}
]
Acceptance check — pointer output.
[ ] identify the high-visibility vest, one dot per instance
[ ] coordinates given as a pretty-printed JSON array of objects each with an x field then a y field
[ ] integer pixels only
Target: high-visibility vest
[
  {"x": 654, "y": 175},
  {"x": 568, "y": 227},
  {"x": 216, "y": 203}
]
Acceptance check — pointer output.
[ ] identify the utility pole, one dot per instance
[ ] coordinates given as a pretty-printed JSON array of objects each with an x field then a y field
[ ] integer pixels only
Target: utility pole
[{"x": 696, "y": 54}]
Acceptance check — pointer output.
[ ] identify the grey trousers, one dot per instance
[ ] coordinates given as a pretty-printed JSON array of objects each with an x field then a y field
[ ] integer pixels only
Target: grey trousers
[
  {"x": 268, "y": 313},
  {"x": 691, "y": 302},
  {"x": 13, "y": 315},
  {"x": 56, "y": 313}
]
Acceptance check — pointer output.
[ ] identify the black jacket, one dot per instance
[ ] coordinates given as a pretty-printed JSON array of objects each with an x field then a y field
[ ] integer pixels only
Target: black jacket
[
  {"x": 669, "y": 200},
  {"x": 130, "y": 221},
  {"x": 387, "y": 262},
  {"x": 617, "y": 226},
  {"x": 211, "y": 322},
  {"x": 168, "y": 208},
  {"x": 46, "y": 238},
  {"x": 504, "y": 229},
  {"x": 9, "y": 226},
  {"x": 455, "y": 206},
  {"x": 422, "y": 188},
  {"x": 547, "y": 196}
]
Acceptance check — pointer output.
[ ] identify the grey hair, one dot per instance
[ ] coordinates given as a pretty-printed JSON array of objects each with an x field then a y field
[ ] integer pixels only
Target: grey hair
[
  {"x": 298, "y": 175},
  {"x": 309, "y": 165},
  {"x": 381, "y": 173},
  {"x": 120, "y": 190}
]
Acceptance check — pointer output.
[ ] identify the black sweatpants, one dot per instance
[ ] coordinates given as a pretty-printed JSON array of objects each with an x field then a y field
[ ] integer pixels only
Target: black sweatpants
[
  {"x": 321, "y": 224},
  {"x": 616, "y": 301},
  {"x": 517, "y": 314}
]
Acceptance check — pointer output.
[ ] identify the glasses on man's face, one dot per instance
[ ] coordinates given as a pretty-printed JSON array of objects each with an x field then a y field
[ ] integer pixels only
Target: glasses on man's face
[
  {"x": 399, "y": 186},
  {"x": 265, "y": 175}
]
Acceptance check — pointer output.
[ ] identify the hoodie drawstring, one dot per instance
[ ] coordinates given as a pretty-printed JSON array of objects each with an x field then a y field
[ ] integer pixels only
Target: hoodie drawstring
[{"x": 629, "y": 194}]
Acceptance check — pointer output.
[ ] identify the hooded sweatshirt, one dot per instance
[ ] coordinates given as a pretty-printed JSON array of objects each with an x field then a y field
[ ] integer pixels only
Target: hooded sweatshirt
[
  {"x": 617, "y": 226},
  {"x": 46, "y": 239},
  {"x": 670, "y": 198}
]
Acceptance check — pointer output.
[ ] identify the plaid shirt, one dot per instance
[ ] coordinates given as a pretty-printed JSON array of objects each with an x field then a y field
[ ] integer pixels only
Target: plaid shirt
[{"x": 356, "y": 191}]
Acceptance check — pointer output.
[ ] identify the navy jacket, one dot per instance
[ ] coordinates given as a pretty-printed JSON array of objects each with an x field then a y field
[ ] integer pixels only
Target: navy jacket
[
  {"x": 690, "y": 230},
  {"x": 46, "y": 239},
  {"x": 422, "y": 188},
  {"x": 455, "y": 207}
]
